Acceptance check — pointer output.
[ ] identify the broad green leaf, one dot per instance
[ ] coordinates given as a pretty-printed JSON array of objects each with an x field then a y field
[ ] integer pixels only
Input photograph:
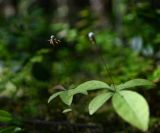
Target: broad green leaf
[
  {"x": 98, "y": 101},
  {"x": 5, "y": 116},
  {"x": 67, "y": 110},
  {"x": 134, "y": 83},
  {"x": 54, "y": 96},
  {"x": 132, "y": 107},
  {"x": 90, "y": 85},
  {"x": 66, "y": 98},
  {"x": 72, "y": 92}
]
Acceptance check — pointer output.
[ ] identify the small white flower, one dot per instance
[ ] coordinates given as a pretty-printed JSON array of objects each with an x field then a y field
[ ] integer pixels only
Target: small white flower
[
  {"x": 91, "y": 37},
  {"x": 53, "y": 40},
  {"x": 52, "y": 36}
]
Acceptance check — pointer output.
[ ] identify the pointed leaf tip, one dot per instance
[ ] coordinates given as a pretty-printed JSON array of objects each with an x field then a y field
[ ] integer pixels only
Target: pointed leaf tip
[
  {"x": 67, "y": 110},
  {"x": 98, "y": 101},
  {"x": 134, "y": 83},
  {"x": 53, "y": 96}
]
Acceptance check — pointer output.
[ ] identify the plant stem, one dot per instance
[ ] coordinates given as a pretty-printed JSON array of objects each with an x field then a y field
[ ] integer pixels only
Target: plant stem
[{"x": 101, "y": 57}]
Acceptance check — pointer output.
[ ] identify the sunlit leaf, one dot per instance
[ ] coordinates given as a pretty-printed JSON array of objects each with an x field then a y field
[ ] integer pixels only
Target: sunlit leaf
[
  {"x": 90, "y": 85},
  {"x": 134, "y": 83},
  {"x": 73, "y": 92},
  {"x": 67, "y": 110},
  {"x": 54, "y": 96},
  {"x": 132, "y": 107},
  {"x": 66, "y": 98},
  {"x": 98, "y": 101}
]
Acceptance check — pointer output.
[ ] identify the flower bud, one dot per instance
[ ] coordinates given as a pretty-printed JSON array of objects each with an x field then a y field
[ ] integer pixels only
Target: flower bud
[
  {"x": 91, "y": 37},
  {"x": 52, "y": 36}
]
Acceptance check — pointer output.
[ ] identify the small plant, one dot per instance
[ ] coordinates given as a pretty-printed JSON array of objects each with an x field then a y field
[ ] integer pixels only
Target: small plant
[{"x": 129, "y": 105}]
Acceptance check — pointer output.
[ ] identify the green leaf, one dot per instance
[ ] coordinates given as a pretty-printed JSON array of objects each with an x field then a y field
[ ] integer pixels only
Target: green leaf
[
  {"x": 134, "y": 83},
  {"x": 132, "y": 107},
  {"x": 72, "y": 92},
  {"x": 90, "y": 85},
  {"x": 54, "y": 96},
  {"x": 5, "y": 116},
  {"x": 98, "y": 101},
  {"x": 66, "y": 98},
  {"x": 67, "y": 110}
]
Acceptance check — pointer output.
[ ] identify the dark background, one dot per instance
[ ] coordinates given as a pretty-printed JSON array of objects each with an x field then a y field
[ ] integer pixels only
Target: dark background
[{"x": 128, "y": 37}]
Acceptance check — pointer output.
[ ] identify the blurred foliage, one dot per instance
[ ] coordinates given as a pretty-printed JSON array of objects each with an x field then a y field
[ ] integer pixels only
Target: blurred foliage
[{"x": 30, "y": 67}]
